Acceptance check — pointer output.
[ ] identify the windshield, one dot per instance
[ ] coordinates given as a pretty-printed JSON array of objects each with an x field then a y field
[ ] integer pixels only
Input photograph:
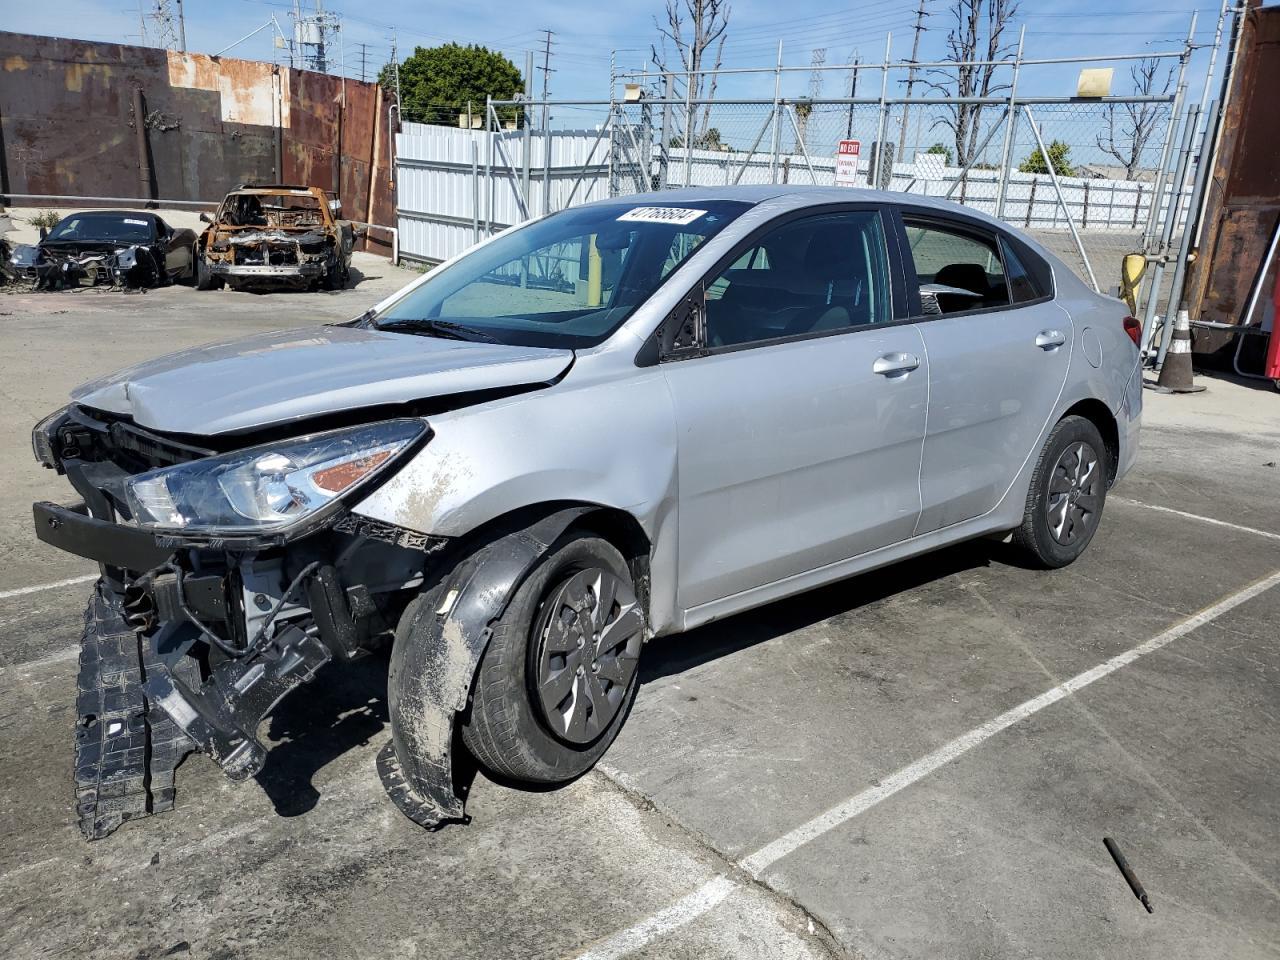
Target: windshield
[
  {"x": 567, "y": 281},
  {"x": 114, "y": 227}
]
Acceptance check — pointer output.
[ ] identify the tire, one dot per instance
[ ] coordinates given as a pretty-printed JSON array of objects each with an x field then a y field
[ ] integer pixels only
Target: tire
[
  {"x": 1067, "y": 495},
  {"x": 335, "y": 278},
  {"x": 509, "y": 729},
  {"x": 205, "y": 280}
]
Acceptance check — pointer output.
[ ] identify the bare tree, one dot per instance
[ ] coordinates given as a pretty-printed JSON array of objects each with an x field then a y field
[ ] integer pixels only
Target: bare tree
[
  {"x": 696, "y": 29},
  {"x": 1136, "y": 121},
  {"x": 976, "y": 40}
]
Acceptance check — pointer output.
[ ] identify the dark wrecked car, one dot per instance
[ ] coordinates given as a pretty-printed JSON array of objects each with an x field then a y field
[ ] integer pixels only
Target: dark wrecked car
[
  {"x": 613, "y": 423},
  {"x": 275, "y": 236},
  {"x": 120, "y": 248}
]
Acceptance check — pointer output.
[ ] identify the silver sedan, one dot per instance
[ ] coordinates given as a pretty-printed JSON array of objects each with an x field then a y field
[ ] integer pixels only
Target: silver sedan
[{"x": 616, "y": 422}]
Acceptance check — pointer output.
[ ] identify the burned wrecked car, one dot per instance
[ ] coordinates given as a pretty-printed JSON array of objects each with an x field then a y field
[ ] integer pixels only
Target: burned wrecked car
[
  {"x": 121, "y": 248},
  {"x": 616, "y": 422},
  {"x": 275, "y": 236}
]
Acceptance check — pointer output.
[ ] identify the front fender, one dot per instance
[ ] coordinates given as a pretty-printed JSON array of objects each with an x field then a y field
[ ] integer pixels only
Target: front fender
[{"x": 439, "y": 644}]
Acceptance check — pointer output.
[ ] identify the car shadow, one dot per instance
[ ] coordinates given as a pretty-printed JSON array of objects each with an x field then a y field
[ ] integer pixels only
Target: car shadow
[
  {"x": 346, "y": 705},
  {"x": 677, "y": 653}
]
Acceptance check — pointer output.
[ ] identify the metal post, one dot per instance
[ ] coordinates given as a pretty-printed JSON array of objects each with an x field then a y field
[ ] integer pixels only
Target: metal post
[
  {"x": 1179, "y": 91},
  {"x": 475, "y": 187},
  {"x": 964, "y": 172},
  {"x": 804, "y": 150},
  {"x": 1166, "y": 233},
  {"x": 1057, "y": 187},
  {"x": 1011, "y": 123},
  {"x": 1228, "y": 70},
  {"x": 546, "y": 170},
  {"x": 664, "y": 148},
  {"x": 755, "y": 145},
  {"x": 526, "y": 160},
  {"x": 1184, "y": 248},
  {"x": 777, "y": 127},
  {"x": 877, "y": 166},
  {"x": 688, "y": 129},
  {"x": 488, "y": 166}
]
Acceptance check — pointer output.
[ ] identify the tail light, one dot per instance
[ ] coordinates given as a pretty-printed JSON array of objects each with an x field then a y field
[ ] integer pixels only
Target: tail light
[{"x": 1134, "y": 329}]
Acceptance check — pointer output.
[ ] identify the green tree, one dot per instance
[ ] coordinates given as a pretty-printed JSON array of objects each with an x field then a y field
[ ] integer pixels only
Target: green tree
[
  {"x": 943, "y": 149},
  {"x": 436, "y": 83},
  {"x": 1058, "y": 155}
]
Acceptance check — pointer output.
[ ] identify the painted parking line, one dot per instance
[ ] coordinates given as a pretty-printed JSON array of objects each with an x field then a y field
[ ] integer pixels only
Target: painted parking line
[
  {"x": 39, "y": 587},
  {"x": 1270, "y": 535},
  {"x": 714, "y": 891}
]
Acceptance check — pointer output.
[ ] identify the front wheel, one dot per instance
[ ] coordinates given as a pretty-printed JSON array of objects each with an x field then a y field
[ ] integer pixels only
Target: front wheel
[
  {"x": 559, "y": 676},
  {"x": 205, "y": 279},
  {"x": 1068, "y": 492}
]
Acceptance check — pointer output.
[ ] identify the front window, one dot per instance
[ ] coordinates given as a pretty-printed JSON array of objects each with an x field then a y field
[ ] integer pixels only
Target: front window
[
  {"x": 567, "y": 281},
  {"x": 110, "y": 227}
]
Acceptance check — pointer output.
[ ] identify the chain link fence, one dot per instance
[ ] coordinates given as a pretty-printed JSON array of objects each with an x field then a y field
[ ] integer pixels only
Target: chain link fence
[{"x": 1090, "y": 178}]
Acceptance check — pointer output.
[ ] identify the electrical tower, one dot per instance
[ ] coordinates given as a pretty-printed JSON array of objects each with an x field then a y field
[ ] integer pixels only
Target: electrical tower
[
  {"x": 162, "y": 26},
  {"x": 311, "y": 34},
  {"x": 546, "y": 76},
  {"x": 816, "y": 63},
  {"x": 364, "y": 56}
]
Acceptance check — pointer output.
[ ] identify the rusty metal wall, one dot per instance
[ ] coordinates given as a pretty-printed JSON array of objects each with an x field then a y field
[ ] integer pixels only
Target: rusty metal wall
[
  {"x": 1244, "y": 200},
  {"x": 68, "y": 126}
]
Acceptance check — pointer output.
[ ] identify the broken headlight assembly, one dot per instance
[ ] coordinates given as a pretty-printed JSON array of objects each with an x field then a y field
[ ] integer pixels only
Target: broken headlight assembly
[{"x": 267, "y": 488}]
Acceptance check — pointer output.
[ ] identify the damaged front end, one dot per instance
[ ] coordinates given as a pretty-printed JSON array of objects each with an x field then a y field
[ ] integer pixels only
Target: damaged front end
[
  {"x": 276, "y": 256},
  {"x": 66, "y": 266},
  {"x": 228, "y": 579}
]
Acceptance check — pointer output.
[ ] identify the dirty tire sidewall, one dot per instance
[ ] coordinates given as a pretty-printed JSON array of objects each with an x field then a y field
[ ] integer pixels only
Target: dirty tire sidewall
[
  {"x": 1033, "y": 537},
  {"x": 504, "y": 728}
]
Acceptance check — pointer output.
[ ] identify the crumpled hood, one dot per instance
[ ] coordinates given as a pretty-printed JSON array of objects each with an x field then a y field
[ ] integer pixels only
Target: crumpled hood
[{"x": 289, "y": 375}]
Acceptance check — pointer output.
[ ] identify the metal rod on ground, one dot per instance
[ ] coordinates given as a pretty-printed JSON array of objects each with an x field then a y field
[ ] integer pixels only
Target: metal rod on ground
[
  {"x": 777, "y": 128},
  {"x": 1166, "y": 233},
  {"x": 1176, "y": 288},
  {"x": 1062, "y": 201},
  {"x": 1012, "y": 120},
  {"x": 1130, "y": 877}
]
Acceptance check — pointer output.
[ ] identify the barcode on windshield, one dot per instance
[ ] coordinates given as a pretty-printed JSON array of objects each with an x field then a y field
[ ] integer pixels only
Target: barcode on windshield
[{"x": 676, "y": 215}]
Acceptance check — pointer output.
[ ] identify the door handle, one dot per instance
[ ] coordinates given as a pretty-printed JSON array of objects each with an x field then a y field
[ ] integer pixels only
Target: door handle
[
  {"x": 895, "y": 364},
  {"x": 1050, "y": 339}
]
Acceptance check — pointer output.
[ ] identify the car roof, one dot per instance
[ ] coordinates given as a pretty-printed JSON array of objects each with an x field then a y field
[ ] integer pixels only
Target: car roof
[
  {"x": 133, "y": 214},
  {"x": 798, "y": 196}
]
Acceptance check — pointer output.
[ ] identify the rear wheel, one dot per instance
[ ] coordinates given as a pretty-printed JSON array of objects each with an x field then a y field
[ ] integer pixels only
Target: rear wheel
[
  {"x": 559, "y": 676},
  {"x": 1067, "y": 495}
]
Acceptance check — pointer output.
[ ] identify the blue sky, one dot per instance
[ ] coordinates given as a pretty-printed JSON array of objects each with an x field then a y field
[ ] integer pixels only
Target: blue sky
[{"x": 586, "y": 31}]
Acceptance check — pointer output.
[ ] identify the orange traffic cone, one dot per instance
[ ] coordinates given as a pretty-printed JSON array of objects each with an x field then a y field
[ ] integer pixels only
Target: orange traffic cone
[{"x": 1176, "y": 376}]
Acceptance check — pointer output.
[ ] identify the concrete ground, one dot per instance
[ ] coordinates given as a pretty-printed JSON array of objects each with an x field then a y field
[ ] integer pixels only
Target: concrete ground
[{"x": 885, "y": 768}]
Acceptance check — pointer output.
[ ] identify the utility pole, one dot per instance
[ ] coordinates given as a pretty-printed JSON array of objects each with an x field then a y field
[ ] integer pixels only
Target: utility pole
[
  {"x": 395, "y": 69},
  {"x": 911, "y": 73},
  {"x": 546, "y": 76},
  {"x": 364, "y": 55},
  {"x": 853, "y": 93}
]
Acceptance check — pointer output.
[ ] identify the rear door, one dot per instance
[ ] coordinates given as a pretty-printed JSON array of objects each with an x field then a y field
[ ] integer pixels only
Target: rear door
[
  {"x": 999, "y": 348},
  {"x": 800, "y": 406}
]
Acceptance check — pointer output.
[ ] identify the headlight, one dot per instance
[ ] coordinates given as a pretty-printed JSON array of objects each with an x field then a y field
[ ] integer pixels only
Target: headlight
[
  {"x": 266, "y": 488},
  {"x": 44, "y": 438}
]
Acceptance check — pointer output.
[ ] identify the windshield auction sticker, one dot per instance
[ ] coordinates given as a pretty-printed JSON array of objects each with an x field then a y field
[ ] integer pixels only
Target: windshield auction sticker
[
  {"x": 677, "y": 215},
  {"x": 136, "y": 223}
]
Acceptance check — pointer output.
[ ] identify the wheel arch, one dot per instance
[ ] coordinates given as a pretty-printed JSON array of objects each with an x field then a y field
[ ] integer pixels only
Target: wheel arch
[{"x": 1097, "y": 413}]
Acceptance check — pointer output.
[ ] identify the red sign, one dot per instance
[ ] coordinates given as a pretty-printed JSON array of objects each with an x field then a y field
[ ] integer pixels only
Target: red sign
[{"x": 847, "y": 162}]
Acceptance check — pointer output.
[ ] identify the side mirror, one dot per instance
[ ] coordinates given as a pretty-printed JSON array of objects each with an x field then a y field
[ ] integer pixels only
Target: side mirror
[
  {"x": 44, "y": 233},
  {"x": 205, "y": 218}
]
